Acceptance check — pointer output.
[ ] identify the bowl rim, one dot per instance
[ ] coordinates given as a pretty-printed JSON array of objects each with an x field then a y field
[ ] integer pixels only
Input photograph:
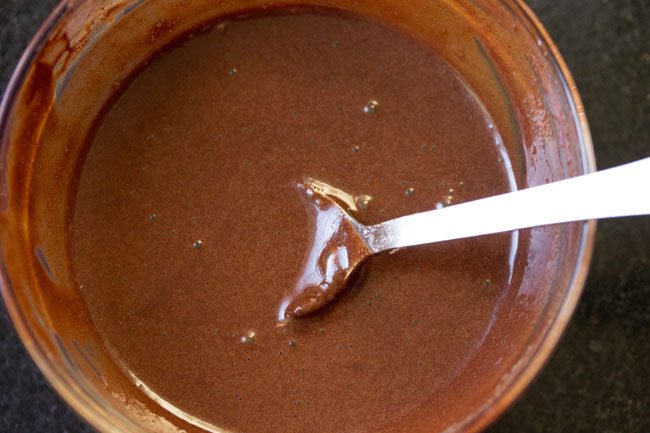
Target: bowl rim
[
  {"x": 94, "y": 413},
  {"x": 486, "y": 416}
]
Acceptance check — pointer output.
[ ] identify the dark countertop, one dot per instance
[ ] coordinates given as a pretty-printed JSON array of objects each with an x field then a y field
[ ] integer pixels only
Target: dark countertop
[{"x": 598, "y": 381}]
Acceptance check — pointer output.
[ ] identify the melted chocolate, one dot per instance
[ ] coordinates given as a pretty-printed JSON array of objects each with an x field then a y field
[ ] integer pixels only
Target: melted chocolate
[{"x": 188, "y": 232}]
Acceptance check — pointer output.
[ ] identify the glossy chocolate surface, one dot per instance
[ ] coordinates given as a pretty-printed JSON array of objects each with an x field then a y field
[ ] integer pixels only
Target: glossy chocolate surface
[{"x": 206, "y": 145}]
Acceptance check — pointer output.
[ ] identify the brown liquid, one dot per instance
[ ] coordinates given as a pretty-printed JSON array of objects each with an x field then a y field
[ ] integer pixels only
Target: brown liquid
[{"x": 189, "y": 233}]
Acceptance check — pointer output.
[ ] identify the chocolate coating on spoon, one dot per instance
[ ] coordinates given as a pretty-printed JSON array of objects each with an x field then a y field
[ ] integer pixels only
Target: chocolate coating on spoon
[{"x": 337, "y": 249}]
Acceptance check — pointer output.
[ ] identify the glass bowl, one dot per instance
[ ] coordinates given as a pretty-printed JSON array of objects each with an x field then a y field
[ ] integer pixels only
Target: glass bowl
[{"x": 87, "y": 49}]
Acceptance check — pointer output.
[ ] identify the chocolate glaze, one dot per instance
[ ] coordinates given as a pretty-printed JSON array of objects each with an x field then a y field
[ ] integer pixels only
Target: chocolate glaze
[{"x": 206, "y": 144}]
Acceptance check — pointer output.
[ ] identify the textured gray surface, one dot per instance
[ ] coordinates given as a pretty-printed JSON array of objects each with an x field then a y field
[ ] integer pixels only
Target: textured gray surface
[{"x": 598, "y": 381}]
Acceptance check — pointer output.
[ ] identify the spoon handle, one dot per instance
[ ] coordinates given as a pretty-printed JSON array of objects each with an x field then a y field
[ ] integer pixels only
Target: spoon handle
[{"x": 616, "y": 192}]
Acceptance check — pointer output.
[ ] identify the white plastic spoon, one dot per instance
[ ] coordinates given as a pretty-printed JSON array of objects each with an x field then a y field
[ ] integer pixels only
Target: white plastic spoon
[{"x": 343, "y": 243}]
